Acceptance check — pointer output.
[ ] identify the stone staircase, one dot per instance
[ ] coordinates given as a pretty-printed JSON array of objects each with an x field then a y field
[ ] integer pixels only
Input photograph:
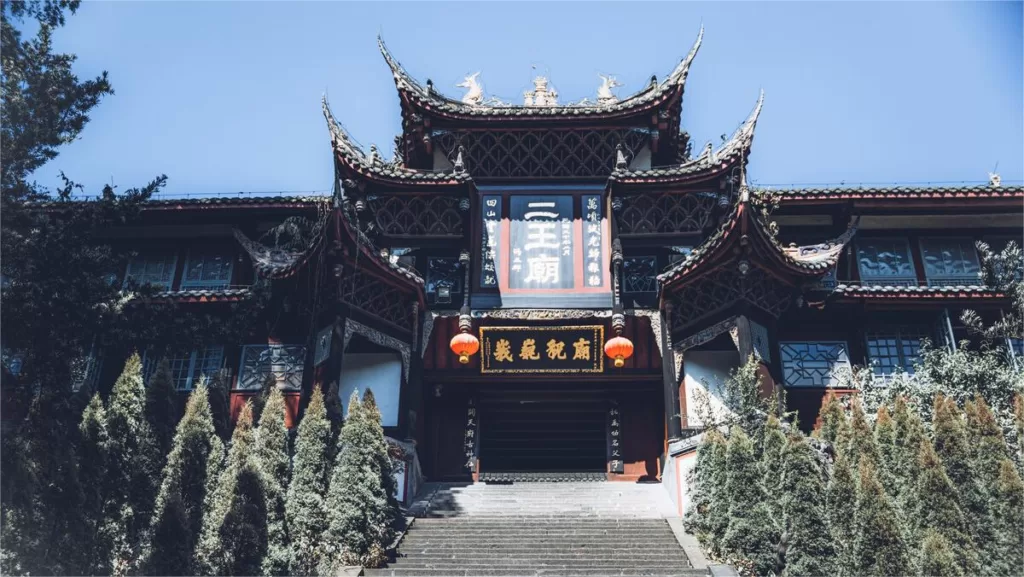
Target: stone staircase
[{"x": 546, "y": 528}]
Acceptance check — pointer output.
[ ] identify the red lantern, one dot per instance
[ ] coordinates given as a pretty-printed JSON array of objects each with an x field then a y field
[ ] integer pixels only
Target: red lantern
[
  {"x": 619, "y": 349},
  {"x": 465, "y": 345}
]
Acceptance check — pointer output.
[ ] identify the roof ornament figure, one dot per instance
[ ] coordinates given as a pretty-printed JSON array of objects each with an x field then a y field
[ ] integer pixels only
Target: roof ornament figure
[
  {"x": 540, "y": 95},
  {"x": 994, "y": 179},
  {"x": 604, "y": 92},
  {"x": 620, "y": 158},
  {"x": 374, "y": 156},
  {"x": 474, "y": 95},
  {"x": 460, "y": 164}
]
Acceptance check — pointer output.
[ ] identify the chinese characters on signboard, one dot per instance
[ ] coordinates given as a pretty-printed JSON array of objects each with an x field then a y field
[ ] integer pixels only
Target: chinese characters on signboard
[
  {"x": 491, "y": 211},
  {"x": 541, "y": 242},
  {"x": 615, "y": 462},
  {"x": 592, "y": 263},
  {"x": 469, "y": 445},
  {"x": 542, "y": 349}
]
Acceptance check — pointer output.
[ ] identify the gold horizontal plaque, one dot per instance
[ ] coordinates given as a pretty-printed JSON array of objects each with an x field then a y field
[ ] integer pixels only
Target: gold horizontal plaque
[{"x": 574, "y": 349}]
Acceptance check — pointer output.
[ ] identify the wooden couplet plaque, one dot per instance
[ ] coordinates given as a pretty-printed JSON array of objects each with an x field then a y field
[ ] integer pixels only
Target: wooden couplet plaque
[{"x": 574, "y": 349}]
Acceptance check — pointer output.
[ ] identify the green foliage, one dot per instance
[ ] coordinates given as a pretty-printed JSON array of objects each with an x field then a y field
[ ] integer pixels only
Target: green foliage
[
  {"x": 840, "y": 507},
  {"x": 834, "y": 423},
  {"x": 305, "y": 510},
  {"x": 1003, "y": 271},
  {"x": 162, "y": 406},
  {"x": 234, "y": 534},
  {"x": 273, "y": 459},
  {"x": 361, "y": 510},
  {"x": 885, "y": 441},
  {"x": 878, "y": 545},
  {"x": 132, "y": 468},
  {"x": 861, "y": 442},
  {"x": 43, "y": 524},
  {"x": 910, "y": 433},
  {"x": 952, "y": 447},
  {"x": 772, "y": 448},
  {"x": 707, "y": 516},
  {"x": 809, "y": 549},
  {"x": 752, "y": 533},
  {"x": 92, "y": 468},
  {"x": 939, "y": 511},
  {"x": 187, "y": 478},
  {"x": 1008, "y": 507},
  {"x": 937, "y": 558}
]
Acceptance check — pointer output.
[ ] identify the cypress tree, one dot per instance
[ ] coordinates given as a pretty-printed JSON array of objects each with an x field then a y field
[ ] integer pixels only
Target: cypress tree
[
  {"x": 92, "y": 468},
  {"x": 939, "y": 511},
  {"x": 162, "y": 407},
  {"x": 305, "y": 511},
  {"x": 360, "y": 508},
  {"x": 752, "y": 534},
  {"x": 809, "y": 549},
  {"x": 840, "y": 505},
  {"x": 986, "y": 439},
  {"x": 220, "y": 405},
  {"x": 381, "y": 454},
  {"x": 834, "y": 424},
  {"x": 188, "y": 477},
  {"x": 861, "y": 442},
  {"x": 878, "y": 546},
  {"x": 937, "y": 558},
  {"x": 953, "y": 450},
  {"x": 885, "y": 441},
  {"x": 1008, "y": 507},
  {"x": 772, "y": 448},
  {"x": 132, "y": 468},
  {"x": 910, "y": 434},
  {"x": 243, "y": 533},
  {"x": 234, "y": 534},
  {"x": 705, "y": 513},
  {"x": 274, "y": 461}
]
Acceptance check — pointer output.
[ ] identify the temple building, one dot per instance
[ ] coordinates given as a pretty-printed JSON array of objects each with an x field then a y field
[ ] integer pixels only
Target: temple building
[{"x": 560, "y": 288}]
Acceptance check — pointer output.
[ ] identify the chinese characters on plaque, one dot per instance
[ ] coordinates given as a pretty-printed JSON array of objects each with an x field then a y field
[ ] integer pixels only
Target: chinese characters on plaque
[
  {"x": 491, "y": 211},
  {"x": 542, "y": 349},
  {"x": 615, "y": 462},
  {"x": 592, "y": 263},
  {"x": 541, "y": 242}
]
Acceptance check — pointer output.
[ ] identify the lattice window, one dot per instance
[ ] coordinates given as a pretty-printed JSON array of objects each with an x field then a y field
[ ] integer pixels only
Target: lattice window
[
  {"x": 885, "y": 262},
  {"x": 282, "y": 362},
  {"x": 666, "y": 213},
  {"x": 813, "y": 364},
  {"x": 640, "y": 274},
  {"x": 377, "y": 298},
  {"x": 155, "y": 269},
  {"x": 539, "y": 153},
  {"x": 207, "y": 270},
  {"x": 187, "y": 367},
  {"x": 724, "y": 288},
  {"x": 444, "y": 279},
  {"x": 894, "y": 350},
  {"x": 950, "y": 261},
  {"x": 417, "y": 215}
]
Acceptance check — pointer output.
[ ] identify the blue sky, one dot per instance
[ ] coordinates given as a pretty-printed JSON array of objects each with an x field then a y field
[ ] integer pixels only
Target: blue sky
[{"x": 225, "y": 96}]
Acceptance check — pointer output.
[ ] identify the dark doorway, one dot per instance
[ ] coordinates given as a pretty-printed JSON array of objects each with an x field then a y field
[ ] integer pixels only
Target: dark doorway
[{"x": 543, "y": 428}]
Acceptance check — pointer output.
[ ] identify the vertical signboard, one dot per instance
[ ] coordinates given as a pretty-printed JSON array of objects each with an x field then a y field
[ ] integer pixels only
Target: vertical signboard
[
  {"x": 593, "y": 271},
  {"x": 615, "y": 462},
  {"x": 491, "y": 212},
  {"x": 541, "y": 242}
]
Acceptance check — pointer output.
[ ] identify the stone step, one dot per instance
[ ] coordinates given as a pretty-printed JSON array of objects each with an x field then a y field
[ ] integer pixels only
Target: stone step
[
  {"x": 519, "y": 572},
  {"x": 563, "y": 556}
]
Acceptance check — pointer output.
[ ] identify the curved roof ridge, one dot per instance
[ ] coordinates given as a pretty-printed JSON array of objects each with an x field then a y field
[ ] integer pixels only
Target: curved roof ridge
[
  {"x": 372, "y": 165},
  {"x": 649, "y": 93}
]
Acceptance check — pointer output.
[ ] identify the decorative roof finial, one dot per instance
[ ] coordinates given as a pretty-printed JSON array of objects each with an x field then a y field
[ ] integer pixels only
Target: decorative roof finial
[
  {"x": 541, "y": 95},
  {"x": 374, "y": 155},
  {"x": 460, "y": 165},
  {"x": 604, "y": 92},
  {"x": 994, "y": 179},
  {"x": 620, "y": 158},
  {"x": 474, "y": 95}
]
